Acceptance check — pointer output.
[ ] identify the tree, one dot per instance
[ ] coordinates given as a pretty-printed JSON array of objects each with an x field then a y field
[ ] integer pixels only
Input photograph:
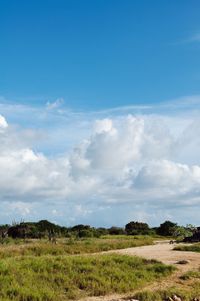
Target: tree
[
  {"x": 84, "y": 231},
  {"x": 182, "y": 232},
  {"x": 136, "y": 228},
  {"x": 19, "y": 231},
  {"x": 167, "y": 228},
  {"x": 116, "y": 231},
  {"x": 80, "y": 227},
  {"x": 45, "y": 225}
]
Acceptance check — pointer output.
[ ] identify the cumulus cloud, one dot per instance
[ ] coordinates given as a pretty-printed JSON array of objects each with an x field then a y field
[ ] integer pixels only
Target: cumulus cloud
[
  {"x": 132, "y": 165},
  {"x": 169, "y": 180},
  {"x": 3, "y": 123}
]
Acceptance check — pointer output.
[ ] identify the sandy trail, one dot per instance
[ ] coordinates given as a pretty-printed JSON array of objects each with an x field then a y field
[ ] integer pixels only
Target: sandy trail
[{"x": 161, "y": 251}]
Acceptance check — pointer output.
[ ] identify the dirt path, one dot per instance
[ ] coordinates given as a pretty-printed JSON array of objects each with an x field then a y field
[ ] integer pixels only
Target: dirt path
[{"x": 161, "y": 251}]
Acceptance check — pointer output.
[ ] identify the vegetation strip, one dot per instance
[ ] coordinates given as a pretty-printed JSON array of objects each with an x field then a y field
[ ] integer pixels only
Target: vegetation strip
[
  {"x": 185, "y": 288},
  {"x": 189, "y": 248},
  {"x": 48, "y": 278},
  {"x": 71, "y": 246}
]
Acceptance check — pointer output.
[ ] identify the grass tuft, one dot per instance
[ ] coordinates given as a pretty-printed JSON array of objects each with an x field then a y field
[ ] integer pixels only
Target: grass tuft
[{"x": 190, "y": 248}]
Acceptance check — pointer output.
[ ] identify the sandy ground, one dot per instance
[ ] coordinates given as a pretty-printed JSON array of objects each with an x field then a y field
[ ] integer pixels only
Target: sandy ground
[{"x": 162, "y": 251}]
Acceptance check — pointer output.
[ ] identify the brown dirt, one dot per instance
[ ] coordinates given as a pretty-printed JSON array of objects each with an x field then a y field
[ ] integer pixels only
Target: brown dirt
[{"x": 161, "y": 251}]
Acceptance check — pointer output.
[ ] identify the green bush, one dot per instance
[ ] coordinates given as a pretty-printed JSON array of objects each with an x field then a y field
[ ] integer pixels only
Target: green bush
[{"x": 137, "y": 228}]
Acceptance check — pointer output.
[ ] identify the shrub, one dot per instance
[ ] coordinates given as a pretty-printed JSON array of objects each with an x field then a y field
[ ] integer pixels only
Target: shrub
[
  {"x": 137, "y": 228},
  {"x": 167, "y": 228}
]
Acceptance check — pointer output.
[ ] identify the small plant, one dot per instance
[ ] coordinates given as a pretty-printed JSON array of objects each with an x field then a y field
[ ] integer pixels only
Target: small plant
[{"x": 190, "y": 275}]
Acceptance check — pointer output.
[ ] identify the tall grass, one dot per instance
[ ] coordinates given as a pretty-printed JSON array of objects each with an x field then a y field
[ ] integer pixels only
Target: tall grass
[
  {"x": 188, "y": 289},
  {"x": 73, "y": 246},
  {"x": 185, "y": 293},
  {"x": 193, "y": 248},
  {"x": 56, "y": 278}
]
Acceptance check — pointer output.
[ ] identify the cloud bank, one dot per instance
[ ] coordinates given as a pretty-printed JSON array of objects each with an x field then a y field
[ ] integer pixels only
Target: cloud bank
[{"x": 102, "y": 168}]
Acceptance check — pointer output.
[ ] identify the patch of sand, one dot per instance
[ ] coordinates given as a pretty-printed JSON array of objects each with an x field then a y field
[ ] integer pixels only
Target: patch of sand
[{"x": 161, "y": 251}]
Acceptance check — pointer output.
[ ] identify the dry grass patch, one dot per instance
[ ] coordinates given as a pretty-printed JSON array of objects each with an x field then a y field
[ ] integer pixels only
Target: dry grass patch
[
  {"x": 73, "y": 246},
  {"x": 190, "y": 248}
]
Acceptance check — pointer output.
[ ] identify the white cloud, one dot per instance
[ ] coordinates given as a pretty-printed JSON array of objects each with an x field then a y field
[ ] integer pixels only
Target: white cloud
[
  {"x": 105, "y": 125},
  {"x": 20, "y": 208},
  {"x": 55, "y": 105},
  {"x": 117, "y": 146},
  {"x": 165, "y": 179},
  {"x": 3, "y": 123},
  {"x": 128, "y": 164}
]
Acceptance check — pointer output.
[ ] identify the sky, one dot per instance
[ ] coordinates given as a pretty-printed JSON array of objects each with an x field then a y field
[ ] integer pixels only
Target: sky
[{"x": 99, "y": 111}]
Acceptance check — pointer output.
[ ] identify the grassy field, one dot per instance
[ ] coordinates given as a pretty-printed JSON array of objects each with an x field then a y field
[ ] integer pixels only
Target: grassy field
[
  {"x": 72, "y": 246},
  {"x": 40, "y": 271},
  {"x": 56, "y": 278},
  {"x": 188, "y": 289},
  {"x": 192, "y": 248}
]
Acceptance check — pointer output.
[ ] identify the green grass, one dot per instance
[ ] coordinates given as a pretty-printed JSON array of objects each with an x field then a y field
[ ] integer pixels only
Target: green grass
[
  {"x": 188, "y": 289},
  {"x": 56, "y": 278},
  {"x": 191, "y": 275},
  {"x": 73, "y": 246},
  {"x": 192, "y": 248},
  {"x": 40, "y": 271},
  {"x": 186, "y": 294}
]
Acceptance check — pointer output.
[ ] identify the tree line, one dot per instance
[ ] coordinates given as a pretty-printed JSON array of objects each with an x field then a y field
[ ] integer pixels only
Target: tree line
[{"x": 45, "y": 228}]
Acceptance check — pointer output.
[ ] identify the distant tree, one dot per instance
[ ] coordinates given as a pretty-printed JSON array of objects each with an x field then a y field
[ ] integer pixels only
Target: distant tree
[
  {"x": 167, "y": 228},
  {"x": 116, "y": 231},
  {"x": 84, "y": 231},
  {"x": 136, "y": 228},
  {"x": 191, "y": 228},
  {"x": 45, "y": 225},
  {"x": 181, "y": 232},
  {"x": 4, "y": 227},
  {"x": 195, "y": 237},
  {"x": 19, "y": 231},
  {"x": 102, "y": 231},
  {"x": 80, "y": 227}
]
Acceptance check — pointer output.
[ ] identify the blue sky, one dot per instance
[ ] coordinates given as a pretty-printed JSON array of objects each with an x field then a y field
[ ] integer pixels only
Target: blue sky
[
  {"x": 99, "y": 54},
  {"x": 99, "y": 111}
]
